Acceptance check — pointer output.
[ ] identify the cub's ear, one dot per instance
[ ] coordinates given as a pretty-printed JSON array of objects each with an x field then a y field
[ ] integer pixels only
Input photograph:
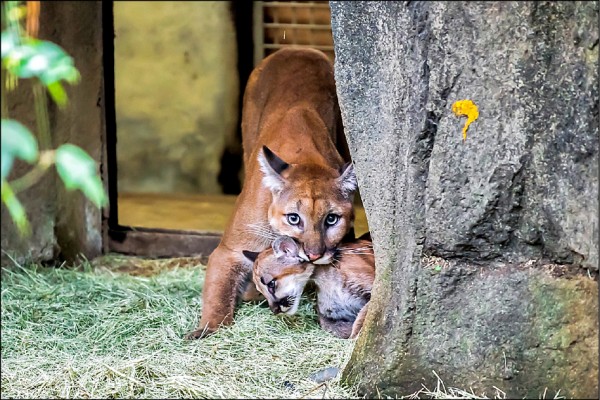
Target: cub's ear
[
  {"x": 250, "y": 255},
  {"x": 285, "y": 246},
  {"x": 271, "y": 167},
  {"x": 347, "y": 180}
]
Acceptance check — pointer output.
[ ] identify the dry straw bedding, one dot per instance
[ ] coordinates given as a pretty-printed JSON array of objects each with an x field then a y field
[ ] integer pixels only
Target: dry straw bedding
[{"x": 107, "y": 331}]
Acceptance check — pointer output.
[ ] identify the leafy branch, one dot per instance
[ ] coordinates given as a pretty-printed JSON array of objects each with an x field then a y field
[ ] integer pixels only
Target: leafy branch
[{"x": 26, "y": 57}]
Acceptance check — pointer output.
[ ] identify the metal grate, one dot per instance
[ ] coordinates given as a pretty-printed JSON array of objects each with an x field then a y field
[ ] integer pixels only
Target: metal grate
[{"x": 279, "y": 24}]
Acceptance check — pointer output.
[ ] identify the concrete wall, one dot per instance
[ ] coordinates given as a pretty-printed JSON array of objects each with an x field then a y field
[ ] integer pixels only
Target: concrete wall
[
  {"x": 191, "y": 100},
  {"x": 177, "y": 93}
]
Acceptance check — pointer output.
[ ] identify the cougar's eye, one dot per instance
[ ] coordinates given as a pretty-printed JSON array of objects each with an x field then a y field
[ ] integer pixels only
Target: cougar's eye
[
  {"x": 293, "y": 219},
  {"x": 332, "y": 219}
]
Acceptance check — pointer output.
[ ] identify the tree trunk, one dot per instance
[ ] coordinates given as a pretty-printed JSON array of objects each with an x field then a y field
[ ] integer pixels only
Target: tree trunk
[{"x": 486, "y": 248}]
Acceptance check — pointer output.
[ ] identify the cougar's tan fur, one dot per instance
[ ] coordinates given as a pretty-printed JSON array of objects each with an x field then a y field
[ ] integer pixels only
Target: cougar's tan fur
[{"x": 290, "y": 125}]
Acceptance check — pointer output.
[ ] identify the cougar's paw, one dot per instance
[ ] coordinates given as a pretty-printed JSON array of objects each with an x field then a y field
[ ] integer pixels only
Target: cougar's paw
[{"x": 198, "y": 334}]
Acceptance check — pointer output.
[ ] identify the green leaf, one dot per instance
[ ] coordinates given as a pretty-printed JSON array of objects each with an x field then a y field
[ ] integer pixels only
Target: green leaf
[
  {"x": 74, "y": 165},
  {"x": 7, "y": 162},
  {"x": 15, "y": 12},
  {"x": 438, "y": 268},
  {"x": 39, "y": 58},
  {"x": 16, "y": 59},
  {"x": 58, "y": 94},
  {"x": 9, "y": 40},
  {"x": 62, "y": 69},
  {"x": 17, "y": 142},
  {"x": 15, "y": 209},
  {"x": 78, "y": 171}
]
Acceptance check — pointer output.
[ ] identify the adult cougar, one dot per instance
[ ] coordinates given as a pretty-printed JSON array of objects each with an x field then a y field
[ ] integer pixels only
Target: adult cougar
[{"x": 296, "y": 182}]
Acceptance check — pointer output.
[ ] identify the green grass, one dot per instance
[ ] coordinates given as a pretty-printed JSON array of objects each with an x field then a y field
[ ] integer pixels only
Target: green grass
[{"x": 98, "y": 333}]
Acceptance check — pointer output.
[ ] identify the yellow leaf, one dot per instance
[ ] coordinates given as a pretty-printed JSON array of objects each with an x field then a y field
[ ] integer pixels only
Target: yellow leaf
[{"x": 465, "y": 108}]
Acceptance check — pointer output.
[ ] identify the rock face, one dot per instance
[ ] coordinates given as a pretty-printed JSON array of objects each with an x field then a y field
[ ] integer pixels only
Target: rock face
[{"x": 523, "y": 186}]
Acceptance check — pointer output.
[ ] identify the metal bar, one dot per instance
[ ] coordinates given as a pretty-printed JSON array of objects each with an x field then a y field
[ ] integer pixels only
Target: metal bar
[
  {"x": 294, "y": 22},
  {"x": 296, "y": 26},
  {"x": 308, "y": 46},
  {"x": 275, "y": 20},
  {"x": 295, "y": 5},
  {"x": 258, "y": 31},
  {"x": 311, "y": 19}
]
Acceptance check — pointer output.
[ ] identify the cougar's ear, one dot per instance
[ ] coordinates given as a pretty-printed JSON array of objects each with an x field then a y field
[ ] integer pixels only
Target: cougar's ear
[
  {"x": 271, "y": 167},
  {"x": 285, "y": 246},
  {"x": 347, "y": 180},
  {"x": 366, "y": 236},
  {"x": 250, "y": 255}
]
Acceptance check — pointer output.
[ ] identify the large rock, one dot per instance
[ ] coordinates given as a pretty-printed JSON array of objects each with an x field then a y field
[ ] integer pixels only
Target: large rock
[{"x": 522, "y": 187}]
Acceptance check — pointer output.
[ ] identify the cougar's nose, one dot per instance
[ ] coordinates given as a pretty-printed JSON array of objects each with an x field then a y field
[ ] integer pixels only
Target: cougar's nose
[{"x": 313, "y": 256}]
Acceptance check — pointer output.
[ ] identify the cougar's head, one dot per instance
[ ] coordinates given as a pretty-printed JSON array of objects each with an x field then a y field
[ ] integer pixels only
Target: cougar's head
[
  {"x": 311, "y": 203},
  {"x": 280, "y": 274}
]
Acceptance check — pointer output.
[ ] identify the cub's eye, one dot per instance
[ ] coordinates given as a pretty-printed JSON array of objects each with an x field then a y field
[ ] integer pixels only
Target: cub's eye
[
  {"x": 270, "y": 285},
  {"x": 332, "y": 219},
  {"x": 293, "y": 219}
]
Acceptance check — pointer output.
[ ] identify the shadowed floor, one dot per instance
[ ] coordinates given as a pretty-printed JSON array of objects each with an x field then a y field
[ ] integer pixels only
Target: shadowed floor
[{"x": 189, "y": 212}]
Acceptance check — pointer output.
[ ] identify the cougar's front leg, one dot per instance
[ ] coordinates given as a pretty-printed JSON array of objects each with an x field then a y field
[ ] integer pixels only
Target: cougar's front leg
[
  {"x": 359, "y": 321},
  {"x": 226, "y": 272}
]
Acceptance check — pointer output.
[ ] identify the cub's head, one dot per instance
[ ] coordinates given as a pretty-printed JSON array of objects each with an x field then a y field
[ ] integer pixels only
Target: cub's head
[
  {"x": 311, "y": 203},
  {"x": 280, "y": 274}
]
